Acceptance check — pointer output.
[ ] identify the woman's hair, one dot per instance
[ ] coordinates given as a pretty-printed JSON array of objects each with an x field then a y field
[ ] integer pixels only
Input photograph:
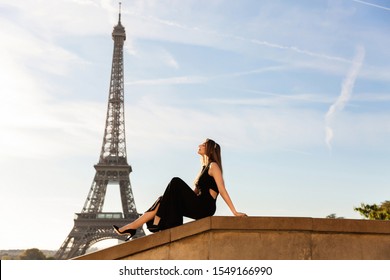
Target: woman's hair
[{"x": 213, "y": 152}]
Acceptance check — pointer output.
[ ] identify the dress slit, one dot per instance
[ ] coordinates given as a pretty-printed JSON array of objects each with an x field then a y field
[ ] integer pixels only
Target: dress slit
[{"x": 178, "y": 201}]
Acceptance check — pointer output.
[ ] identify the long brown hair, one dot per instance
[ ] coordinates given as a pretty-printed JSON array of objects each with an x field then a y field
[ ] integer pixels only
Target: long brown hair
[{"x": 213, "y": 152}]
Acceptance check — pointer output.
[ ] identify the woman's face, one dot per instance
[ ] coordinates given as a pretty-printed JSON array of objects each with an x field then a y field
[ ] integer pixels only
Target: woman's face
[{"x": 202, "y": 149}]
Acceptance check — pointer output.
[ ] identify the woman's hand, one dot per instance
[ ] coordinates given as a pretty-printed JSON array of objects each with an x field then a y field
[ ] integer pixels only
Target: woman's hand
[{"x": 239, "y": 214}]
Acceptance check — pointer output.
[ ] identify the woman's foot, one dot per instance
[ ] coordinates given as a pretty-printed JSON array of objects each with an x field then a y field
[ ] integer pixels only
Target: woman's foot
[{"x": 131, "y": 232}]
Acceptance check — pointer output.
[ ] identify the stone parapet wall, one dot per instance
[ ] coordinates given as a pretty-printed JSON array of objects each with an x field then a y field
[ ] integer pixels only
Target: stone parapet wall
[{"x": 252, "y": 238}]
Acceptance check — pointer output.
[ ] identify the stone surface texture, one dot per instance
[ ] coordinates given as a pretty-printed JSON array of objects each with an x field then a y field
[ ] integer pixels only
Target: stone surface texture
[{"x": 259, "y": 238}]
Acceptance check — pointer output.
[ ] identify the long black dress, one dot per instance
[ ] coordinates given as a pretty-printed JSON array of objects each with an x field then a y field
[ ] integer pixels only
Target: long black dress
[{"x": 179, "y": 201}]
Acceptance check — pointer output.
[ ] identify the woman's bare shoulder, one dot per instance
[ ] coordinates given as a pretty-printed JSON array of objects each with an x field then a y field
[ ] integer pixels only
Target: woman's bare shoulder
[{"x": 214, "y": 167}]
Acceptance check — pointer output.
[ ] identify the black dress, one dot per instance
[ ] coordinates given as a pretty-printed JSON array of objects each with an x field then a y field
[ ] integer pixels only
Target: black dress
[{"x": 179, "y": 201}]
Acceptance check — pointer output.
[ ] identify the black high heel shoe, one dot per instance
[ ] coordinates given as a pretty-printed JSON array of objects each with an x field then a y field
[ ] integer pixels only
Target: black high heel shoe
[
  {"x": 154, "y": 228},
  {"x": 131, "y": 232}
]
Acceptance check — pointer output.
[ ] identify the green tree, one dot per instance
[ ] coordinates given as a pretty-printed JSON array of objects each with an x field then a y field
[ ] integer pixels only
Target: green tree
[
  {"x": 32, "y": 254},
  {"x": 374, "y": 211},
  {"x": 333, "y": 216}
]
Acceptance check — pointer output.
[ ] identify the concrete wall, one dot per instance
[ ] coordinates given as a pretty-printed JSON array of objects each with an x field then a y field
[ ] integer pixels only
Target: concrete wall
[{"x": 267, "y": 238}]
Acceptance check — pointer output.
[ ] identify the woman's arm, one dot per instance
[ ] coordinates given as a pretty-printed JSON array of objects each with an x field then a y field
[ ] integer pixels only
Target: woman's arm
[{"x": 216, "y": 173}]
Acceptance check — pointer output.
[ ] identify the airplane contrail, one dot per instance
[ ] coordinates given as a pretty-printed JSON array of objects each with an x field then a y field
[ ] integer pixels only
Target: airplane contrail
[
  {"x": 345, "y": 94},
  {"x": 371, "y": 4},
  {"x": 239, "y": 38}
]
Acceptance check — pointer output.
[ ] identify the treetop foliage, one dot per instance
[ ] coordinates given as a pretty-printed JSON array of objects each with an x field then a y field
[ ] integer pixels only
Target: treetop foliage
[{"x": 375, "y": 211}]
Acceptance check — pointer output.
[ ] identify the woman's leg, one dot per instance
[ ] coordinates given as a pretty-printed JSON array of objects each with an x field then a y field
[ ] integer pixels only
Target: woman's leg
[
  {"x": 156, "y": 220},
  {"x": 173, "y": 203},
  {"x": 147, "y": 216}
]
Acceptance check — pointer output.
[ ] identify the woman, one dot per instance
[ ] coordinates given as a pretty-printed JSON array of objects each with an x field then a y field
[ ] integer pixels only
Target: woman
[{"x": 179, "y": 200}]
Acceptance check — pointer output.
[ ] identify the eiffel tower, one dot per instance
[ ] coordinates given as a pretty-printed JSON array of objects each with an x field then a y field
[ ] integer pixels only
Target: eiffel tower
[{"x": 92, "y": 224}]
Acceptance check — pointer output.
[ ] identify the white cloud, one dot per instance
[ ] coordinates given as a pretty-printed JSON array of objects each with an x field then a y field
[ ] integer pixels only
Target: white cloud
[
  {"x": 170, "y": 81},
  {"x": 160, "y": 126},
  {"x": 36, "y": 124},
  {"x": 170, "y": 60},
  {"x": 147, "y": 21},
  {"x": 52, "y": 130},
  {"x": 372, "y": 97},
  {"x": 28, "y": 51}
]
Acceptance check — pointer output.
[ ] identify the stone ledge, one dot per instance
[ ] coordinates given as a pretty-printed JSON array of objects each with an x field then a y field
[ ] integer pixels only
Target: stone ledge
[{"x": 259, "y": 238}]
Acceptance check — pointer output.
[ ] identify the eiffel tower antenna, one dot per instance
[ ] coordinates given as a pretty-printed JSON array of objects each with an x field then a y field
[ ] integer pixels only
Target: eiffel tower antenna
[
  {"x": 120, "y": 11},
  {"x": 92, "y": 224}
]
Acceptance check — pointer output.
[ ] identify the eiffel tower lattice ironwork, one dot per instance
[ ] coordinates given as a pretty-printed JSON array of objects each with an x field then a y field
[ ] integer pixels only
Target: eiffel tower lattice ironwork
[{"x": 92, "y": 224}]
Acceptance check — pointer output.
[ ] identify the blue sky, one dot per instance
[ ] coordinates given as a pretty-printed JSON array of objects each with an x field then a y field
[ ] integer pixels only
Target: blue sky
[{"x": 297, "y": 93}]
